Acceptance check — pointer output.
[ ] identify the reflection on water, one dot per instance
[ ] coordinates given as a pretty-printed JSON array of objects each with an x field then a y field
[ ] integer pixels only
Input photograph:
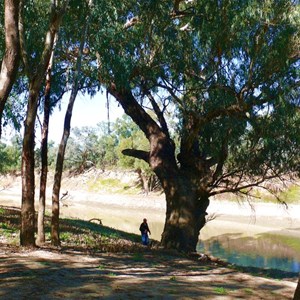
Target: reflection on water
[
  {"x": 262, "y": 252},
  {"x": 225, "y": 240}
]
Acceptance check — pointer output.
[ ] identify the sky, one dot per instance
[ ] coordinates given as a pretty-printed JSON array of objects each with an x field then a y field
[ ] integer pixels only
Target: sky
[{"x": 87, "y": 111}]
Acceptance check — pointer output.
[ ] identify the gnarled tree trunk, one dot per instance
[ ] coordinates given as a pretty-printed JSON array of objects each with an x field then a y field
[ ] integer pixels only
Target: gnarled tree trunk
[
  {"x": 186, "y": 200},
  {"x": 185, "y": 216}
]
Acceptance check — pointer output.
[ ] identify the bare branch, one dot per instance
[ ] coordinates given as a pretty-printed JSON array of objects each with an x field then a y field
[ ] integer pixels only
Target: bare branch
[{"x": 159, "y": 114}]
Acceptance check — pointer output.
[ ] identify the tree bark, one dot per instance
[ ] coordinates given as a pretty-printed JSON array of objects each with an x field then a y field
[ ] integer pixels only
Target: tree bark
[
  {"x": 185, "y": 215},
  {"x": 55, "y": 240},
  {"x": 28, "y": 184},
  {"x": 35, "y": 83},
  {"x": 297, "y": 291},
  {"x": 10, "y": 62},
  {"x": 186, "y": 199},
  {"x": 44, "y": 160}
]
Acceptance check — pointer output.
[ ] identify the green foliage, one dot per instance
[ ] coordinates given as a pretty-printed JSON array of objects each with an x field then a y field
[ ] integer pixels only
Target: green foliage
[
  {"x": 99, "y": 148},
  {"x": 10, "y": 156},
  {"x": 230, "y": 70},
  {"x": 224, "y": 74},
  {"x": 88, "y": 147}
]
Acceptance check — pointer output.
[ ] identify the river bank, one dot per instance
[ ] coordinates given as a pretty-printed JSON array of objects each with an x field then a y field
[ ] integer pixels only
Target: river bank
[
  {"x": 75, "y": 271},
  {"x": 268, "y": 234}
]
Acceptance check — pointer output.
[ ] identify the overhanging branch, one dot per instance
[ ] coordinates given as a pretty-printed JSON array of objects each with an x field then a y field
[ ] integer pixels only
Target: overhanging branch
[{"x": 140, "y": 154}]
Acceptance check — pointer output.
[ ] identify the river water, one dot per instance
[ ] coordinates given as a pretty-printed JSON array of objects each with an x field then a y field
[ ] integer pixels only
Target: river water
[{"x": 267, "y": 237}]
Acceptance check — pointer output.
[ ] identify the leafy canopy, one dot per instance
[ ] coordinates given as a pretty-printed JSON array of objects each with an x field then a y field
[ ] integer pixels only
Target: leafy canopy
[{"x": 231, "y": 70}]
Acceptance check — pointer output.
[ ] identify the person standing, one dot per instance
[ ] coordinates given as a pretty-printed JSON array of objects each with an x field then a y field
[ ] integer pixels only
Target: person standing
[{"x": 144, "y": 229}]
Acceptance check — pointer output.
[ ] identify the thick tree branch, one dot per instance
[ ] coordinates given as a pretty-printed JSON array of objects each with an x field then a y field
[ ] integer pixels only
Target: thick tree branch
[
  {"x": 135, "y": 111},
  {"x": 144, "y": 155}
]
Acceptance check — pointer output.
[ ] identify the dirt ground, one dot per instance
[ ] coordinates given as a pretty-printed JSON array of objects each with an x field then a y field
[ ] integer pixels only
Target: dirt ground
[
  {"x": 48, "y": 273},
  {"x": 57, "y": 274}
]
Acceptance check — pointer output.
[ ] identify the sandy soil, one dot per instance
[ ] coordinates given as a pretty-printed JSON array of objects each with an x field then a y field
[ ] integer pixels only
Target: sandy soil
[
  {"x": 51, "y": 274},
  {"x": 61, "y": 273}
]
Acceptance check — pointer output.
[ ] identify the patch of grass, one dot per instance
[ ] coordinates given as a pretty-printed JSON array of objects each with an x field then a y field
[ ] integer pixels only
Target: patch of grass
[
  {"x": 101, "y": 267},
  {"x": 3, "y": 226},
  {"x": 154, "y": 264},
  {"x": 96, "y": 237},
  {"x": 138, "y": 257},
  {"x": 2, "y": 211},
  {"x": 75, "y": 233},
  {"x": 65, "y": 236},
  {"x": 248, "y": 291},
  {"x": 291, "y": 195},
  {"x": 221, "y": 290},
  {"x": 173, "y": 278},
  {"x": 111, "y": 185}
]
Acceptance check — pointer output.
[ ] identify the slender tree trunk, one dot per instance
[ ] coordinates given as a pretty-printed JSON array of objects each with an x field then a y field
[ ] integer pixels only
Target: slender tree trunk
[
  {"x": 44, "y": 153},
  {"x": 44, "y": 158},
  {"x": 55, "y": 240},
  {"x": 28, "y": 184},
  {"x": 10, "y": 62},
  {"x": 297, "y": 291},
  {"x": 63, "y": 143}
]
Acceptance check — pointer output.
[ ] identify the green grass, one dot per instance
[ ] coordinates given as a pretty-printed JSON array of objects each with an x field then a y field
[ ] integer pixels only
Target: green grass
[
  {"x": 75, "y": 233},
  {"x": 221, "y": 290},
  {"x": 101, "y": 267},
  {"x": 248, "y": 291},
  {"x": 138, "y": 257},
  {"x": 112, "y": 185},
  {"x": 291, "y": 195}
]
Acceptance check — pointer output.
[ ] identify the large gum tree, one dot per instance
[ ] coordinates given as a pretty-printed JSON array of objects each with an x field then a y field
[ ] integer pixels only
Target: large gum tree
[{"x": 228, "y": 73}]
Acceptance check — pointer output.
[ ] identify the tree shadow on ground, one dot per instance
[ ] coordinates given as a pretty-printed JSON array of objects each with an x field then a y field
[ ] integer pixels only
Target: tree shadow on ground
[
  {"x": 40, "y": 274},
  {"x": 81, "y": 269}
]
